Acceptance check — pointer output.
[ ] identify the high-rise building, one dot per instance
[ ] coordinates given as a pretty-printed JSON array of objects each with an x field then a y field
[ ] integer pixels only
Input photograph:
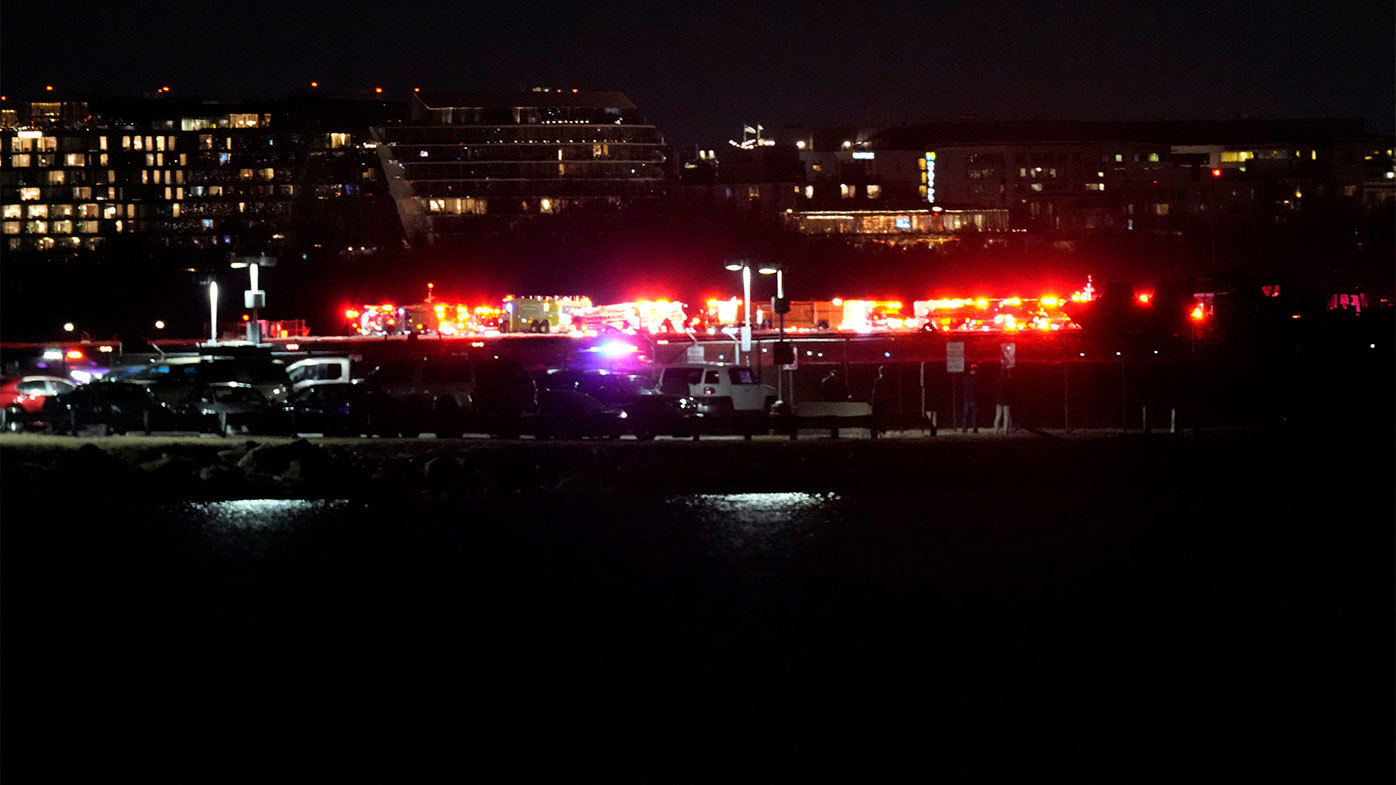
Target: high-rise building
[
  {"x": 465, "y": 161},
  {"x": 135, "y": 175}
]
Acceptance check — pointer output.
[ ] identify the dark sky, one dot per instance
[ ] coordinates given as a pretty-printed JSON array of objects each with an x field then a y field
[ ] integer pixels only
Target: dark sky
[{"x": 702, "y": 68}]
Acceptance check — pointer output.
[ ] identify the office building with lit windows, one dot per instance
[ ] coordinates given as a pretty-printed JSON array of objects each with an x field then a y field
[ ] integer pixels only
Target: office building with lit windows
[
  {"x": 131, "y": 176},
  {"x": 463, "y": 160},
  {"x": 1065, "y": 177}
]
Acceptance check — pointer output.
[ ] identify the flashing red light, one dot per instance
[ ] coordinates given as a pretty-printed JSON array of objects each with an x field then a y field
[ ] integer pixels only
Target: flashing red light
[
  {"x": 246, "y": 318},
  {"x": 378, "y": 90},
  {"x": 1216, "y": 173},
  {"x": 574, "y": 89},
  {"x": 1198, "y": 314},
  {"x": 1144, "y": 298},
  {"x": 73, "y": 354},
  {"x": 314, "y": 84},
  {"x": 48, "y": 88},
  {"x": 416, "y": 89}
]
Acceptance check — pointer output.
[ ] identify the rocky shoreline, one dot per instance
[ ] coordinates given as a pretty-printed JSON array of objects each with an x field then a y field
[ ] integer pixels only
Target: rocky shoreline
[{"x": 130, "y": 470}]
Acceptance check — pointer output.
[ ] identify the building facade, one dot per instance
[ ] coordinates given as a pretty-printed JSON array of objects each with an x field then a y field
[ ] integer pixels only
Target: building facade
[
  {"x": 464, "y": 162},
  {"x": 133, "y": 175}
]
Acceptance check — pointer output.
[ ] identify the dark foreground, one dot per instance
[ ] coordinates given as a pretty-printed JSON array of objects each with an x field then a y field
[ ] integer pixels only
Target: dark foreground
[{"x": 1121, "y": 611}]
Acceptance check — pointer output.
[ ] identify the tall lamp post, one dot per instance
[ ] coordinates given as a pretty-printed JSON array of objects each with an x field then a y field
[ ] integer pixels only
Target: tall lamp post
[
  {"x": 783, "y": 355},
  {"x": 254, "y": 297},
  {"x": 212, "y": 311},
  {"x": 744, "y": 266}
]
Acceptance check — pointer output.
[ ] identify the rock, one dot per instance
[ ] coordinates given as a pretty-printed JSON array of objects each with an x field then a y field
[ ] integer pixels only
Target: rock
[
  {"x": 273, "y": 459},
  {"x": 170, "y": 469},
  {"x": 442, "y": 472}
]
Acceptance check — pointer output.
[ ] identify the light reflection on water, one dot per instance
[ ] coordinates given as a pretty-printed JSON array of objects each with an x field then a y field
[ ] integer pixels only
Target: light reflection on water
[
  {"x": 260, "y": 513},
  {"x": 760, "y": 502}
]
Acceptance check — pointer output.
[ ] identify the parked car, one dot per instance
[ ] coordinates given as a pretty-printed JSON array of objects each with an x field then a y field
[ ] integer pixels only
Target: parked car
[
  {"x": 228, "y": 408},
  {"x": 314, "y": 370},
  {"x": 572, "y": 414},
  {"x": 24, "y": 396},
  {"x": 648, "y": 412},
  {"x": 338, "y": 409},
  {"x": 172, "y": 378},
  {"x": 447, "y": 395},
  {"x": 717, "y": 390},
  {"x": 107, "y": 408}
]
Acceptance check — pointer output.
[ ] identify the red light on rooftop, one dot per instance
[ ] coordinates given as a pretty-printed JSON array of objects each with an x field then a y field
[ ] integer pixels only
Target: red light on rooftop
[
  {"x": 314, "y": 84},
  {"x": 378, "y": 90},
  {"x": 48, "y": 88},
  {"x": 416, "y": 89},
  {"x": 1216, "y": 173},
  {"x": 166, "y": 88},
  {"x": 574, "y": 89},
  {"x": 246, "y": 318},
  {"x": 1144, "y": 298},
  {"x": 1198, "y": 314}
]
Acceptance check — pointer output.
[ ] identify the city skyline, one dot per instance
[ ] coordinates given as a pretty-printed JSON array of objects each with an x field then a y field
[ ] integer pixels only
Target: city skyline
[{"x": 701, "y": 73}]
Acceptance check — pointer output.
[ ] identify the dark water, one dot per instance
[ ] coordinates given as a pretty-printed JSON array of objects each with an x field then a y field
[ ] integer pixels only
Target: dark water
[{"x": 1101, "y": 635}]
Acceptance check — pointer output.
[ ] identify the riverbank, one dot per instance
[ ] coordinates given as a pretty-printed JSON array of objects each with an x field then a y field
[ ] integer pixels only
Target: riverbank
[{"x": 190, "y": 468}]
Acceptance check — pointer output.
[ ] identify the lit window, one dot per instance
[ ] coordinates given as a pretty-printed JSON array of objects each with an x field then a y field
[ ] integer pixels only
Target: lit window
[
  {"x": 245, "y": 174},
  {"x": 1095, "y": 186},
  {"x": 87, "y": 210},
  {"x": 874, "y": 192},
  {"x": 61, "y": 211},
  {"x": 149, "y": 143},
  {"x": 150, "y": 159},
  {"x": 75, "y": 159},
  {"x": 145, "y": 176},
  {"x": 179, "y": 175},
  {"x": 174, "y": 209},
  {"x": 125, "y": 143},
  {"x": 169, "y": 193},
  {"x": 268, "y": 174},
  {"x": 101, "y": 143},
  {"x": 12, "y": 211},
  {"x": 160, "y": 143},
  {"x": 56, "y": 177},
  {"x": 109, "y": 211},
  {"x": 339, "y": 140},
  {"x": 62, "y": 227},
  {"x": 87, "y": 227},
  {"x": 159, "y": 159},
  {"x": 1153, "y": 157},
  {"x": 29, "y": 194},
  {"x": 12, "y": 227},
  {"x": 1036, "y": 186},
  {"x": 20, "y": 159},
  {"x": 847, "y": 191},
  {"x": 102, "y": 159},
  {"x": 1119, "y": 158},
  {"x": 37, "y": 211},
  {"x": 809, "y": 192},
  {"x": 37, "y": 227}
]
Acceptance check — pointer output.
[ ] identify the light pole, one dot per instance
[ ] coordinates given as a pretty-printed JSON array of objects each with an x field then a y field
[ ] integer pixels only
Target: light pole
[
  {"x": 783, "y": 356},
  {"x": 213, "y": 311},
  {"x": 254, "y": 297},
  {"x": 744, "y": 266}
]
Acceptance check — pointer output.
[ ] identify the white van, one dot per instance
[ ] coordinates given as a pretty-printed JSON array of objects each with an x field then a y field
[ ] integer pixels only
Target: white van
[
  {"x": 718, "y": 390},
  {"x": 315, "y": 370}
]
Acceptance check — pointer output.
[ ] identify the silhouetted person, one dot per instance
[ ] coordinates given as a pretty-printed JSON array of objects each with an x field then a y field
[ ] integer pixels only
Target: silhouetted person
[
  {"x": 969, "y": 392},
  {"x": 883, "y": 399},
  {"x": 1003, "y": 402},
  {"x": 832, "y": 388}
]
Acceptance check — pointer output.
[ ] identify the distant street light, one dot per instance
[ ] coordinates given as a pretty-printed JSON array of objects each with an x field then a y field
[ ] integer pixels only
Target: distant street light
[
  {"x": 68, "y": 327},
  {"x": 159, "y": 324},
  {"x": 213, "y": 311},
  {"x": 744, "y": 265},
  {"x": 783, "y": 355}
]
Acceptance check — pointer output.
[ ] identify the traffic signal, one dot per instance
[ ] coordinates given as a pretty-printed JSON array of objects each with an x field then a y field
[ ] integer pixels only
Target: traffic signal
[{"x": 1216, "y": 173}]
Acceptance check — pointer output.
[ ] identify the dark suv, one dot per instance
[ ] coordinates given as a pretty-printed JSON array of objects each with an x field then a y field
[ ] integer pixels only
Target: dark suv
[{"x": 448, "y": 395}]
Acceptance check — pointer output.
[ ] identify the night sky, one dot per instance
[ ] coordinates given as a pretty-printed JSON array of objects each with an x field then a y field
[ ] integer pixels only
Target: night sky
[{"x": 700, "y": 70}]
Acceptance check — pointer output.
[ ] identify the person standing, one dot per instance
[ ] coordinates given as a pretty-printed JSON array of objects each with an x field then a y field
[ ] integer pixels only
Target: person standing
[
  {"x": 1003, "y": 401},
  {"x": 883, "y": 396},
  {"x": 969, "y": 393},
  {"x": 832, "y": 388}
]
